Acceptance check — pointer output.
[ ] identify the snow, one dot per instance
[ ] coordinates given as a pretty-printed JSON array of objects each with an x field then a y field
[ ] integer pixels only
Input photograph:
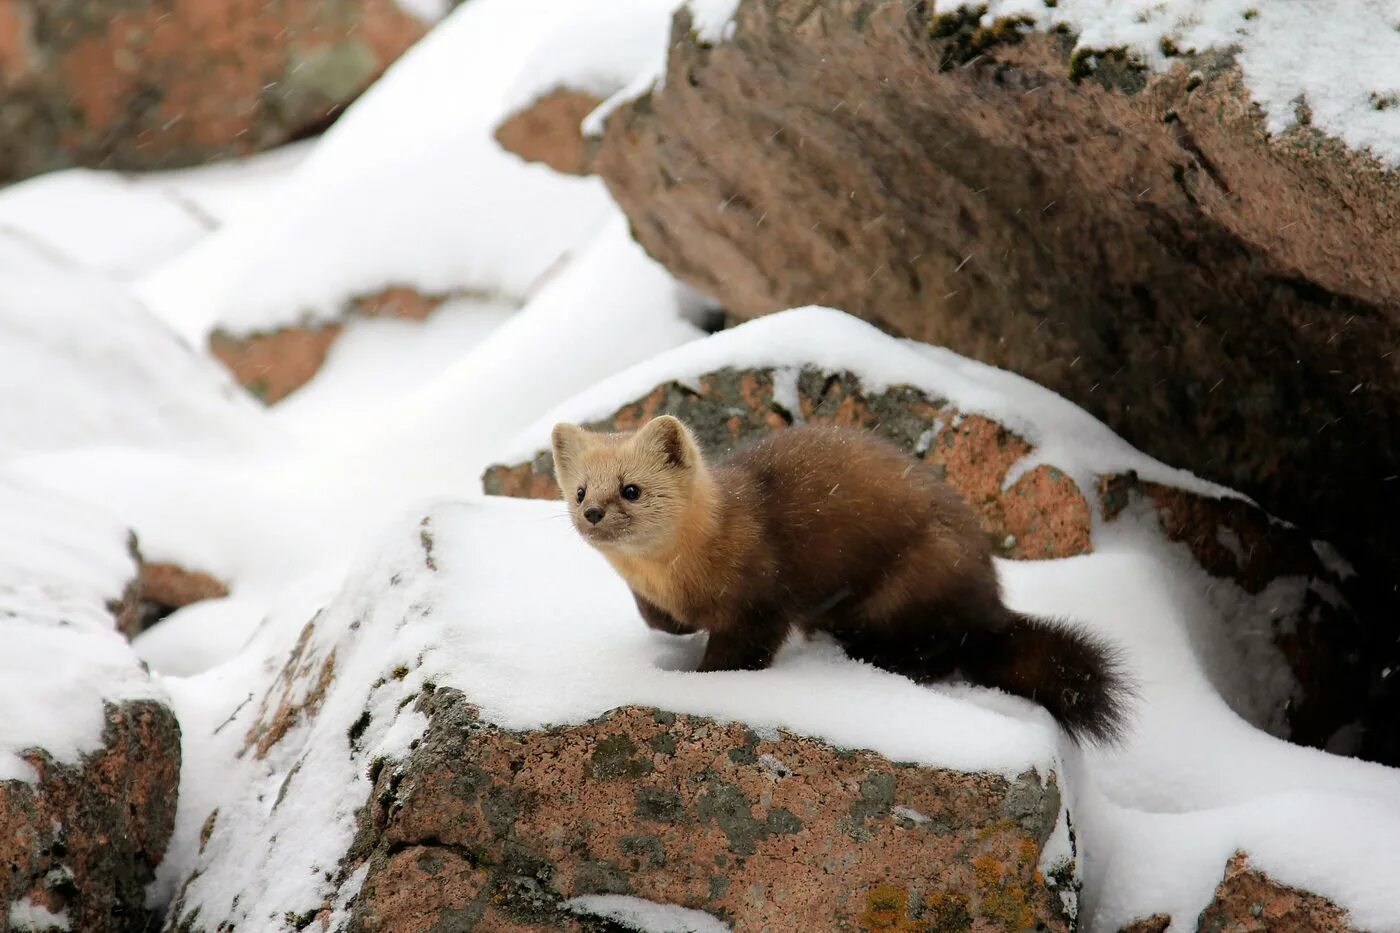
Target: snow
[
  {"x": 407, "y": 188},
  {"x": 61, "y": 562},
  {"x": 124, "y": 226},
  {"x": 308, "y": 509},
  {"x": 1342, "y": 61},
  {"x": 83, "y": 364},
  {"x": 634, "y": 913},
  {"x": 28, "y": 917}
]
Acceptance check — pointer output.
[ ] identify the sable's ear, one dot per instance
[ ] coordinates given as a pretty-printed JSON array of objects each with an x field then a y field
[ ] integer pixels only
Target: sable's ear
[
  {"x": 567, "y": 441},
  {"x": 670, "y": 438}
]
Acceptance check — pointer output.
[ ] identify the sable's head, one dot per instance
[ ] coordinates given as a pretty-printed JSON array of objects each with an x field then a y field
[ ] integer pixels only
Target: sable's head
[{"x": 627, "y": 492}]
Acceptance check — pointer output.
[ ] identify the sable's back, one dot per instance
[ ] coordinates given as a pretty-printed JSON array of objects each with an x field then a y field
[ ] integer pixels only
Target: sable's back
[{"x": 848, "y": 503}]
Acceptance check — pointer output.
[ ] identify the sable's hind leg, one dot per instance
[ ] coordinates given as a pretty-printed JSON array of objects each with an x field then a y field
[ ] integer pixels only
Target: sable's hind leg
[
  {"x": 746, "y": 646},
  {"x": 924, "y": 655}
]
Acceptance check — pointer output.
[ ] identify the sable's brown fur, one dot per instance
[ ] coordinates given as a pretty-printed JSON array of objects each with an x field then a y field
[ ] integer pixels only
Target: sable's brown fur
[{"x": 828, "y": 529}]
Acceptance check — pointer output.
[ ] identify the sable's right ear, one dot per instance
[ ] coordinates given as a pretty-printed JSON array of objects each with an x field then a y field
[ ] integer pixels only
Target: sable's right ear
[
  {"x": 567, "y": 441},
  {"x": 670, "y": 437}
]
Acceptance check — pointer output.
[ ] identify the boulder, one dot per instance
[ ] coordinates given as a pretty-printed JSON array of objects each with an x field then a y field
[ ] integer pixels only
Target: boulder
[
  {"x": 1289, "y": 586},
  {"x": 89, "y": 748},
  {"x": 1226, "y": 300},
  {"x": 489, "y": 829},
  {"x": 82, "y": 841},
  {"x": 383, "y": 776},
  {"x": 143, "y": 85}
]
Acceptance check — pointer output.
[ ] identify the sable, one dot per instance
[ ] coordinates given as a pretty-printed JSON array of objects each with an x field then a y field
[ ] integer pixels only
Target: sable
[{"x": 823, "y": 529}]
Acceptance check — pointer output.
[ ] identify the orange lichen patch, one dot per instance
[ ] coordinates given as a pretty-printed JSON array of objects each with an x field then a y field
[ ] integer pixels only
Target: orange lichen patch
[
  {"x": 1248, "y": 901},
  {"x": 274, "y": 365},
  {"x": 887, "y": 908},
  {"x": 1157, "y": 923},
  {"x": 549, "y": 130},
  {"x": 300, "y": 689}
]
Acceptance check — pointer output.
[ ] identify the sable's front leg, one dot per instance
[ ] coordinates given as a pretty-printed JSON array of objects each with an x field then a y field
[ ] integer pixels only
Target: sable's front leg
[
  {"x": 746, "y": 646},
  {"x": 659, "y": 618}
]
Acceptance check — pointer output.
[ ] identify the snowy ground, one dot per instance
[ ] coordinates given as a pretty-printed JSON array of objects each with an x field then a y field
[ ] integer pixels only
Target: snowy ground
[{"x": 113, "y": 284}]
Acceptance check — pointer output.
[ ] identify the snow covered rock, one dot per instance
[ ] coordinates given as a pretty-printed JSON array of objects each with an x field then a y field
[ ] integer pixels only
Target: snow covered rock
[
  {"x": 89, "y": 749},
  {"x": 83, "y": 364},
  {"x": 143, "y": 85},
  {"x": 274, "y": 364},
  {"x": 1037, "y": 500},
  {"x": 1216, "y": 279},
  {"x": 509, "y": 829},
  {"x": 437, "y": 743}
]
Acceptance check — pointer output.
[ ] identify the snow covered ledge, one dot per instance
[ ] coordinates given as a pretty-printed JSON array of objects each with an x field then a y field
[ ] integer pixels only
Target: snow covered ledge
[
  {"x": 89, "y": 750},
  {"x": 478, "y": 726}
]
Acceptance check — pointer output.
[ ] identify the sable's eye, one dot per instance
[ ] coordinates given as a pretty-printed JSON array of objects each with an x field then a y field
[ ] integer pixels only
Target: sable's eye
[
  {"x": 578, "y": 496},
  {"x": 631, "y": 493}
]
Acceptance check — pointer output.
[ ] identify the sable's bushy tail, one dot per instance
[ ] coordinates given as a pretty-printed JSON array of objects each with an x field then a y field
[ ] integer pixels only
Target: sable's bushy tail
[{"x": 1073, "y": 674}]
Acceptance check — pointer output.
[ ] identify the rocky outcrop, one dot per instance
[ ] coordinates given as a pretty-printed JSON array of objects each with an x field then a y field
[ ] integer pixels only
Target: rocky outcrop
[
  {"x": 89, "y": 750},
  {"x": 549, "y": 130},
  {"x": 83, "y": 841},
  {"x": 482, "y": 828},
  {"x": 1044, "y": 514},
  {"x": 1249, "y": 901},
  {"x": 274, "y": 364},
  {"x": 140, "y": 85},
  {"x": 1134, "y": 241}
]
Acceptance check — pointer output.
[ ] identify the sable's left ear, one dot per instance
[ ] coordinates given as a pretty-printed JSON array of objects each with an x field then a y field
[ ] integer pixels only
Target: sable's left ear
[
  {"x": 567, "y": 440},
  {"x": 670, "y": 437}
]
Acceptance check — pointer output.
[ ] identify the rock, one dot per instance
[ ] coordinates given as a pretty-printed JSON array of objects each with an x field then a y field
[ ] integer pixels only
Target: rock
[
  {"x": 89, "y": 751},
  {"x": 379, "y": 794},
  {"x": 1288, "y": 598},
  {"x": 85, "y": 839},
  {"x": 483, "y": 828},
  {"x": 144, "y": 85},
  {"x": 548, "y": 130},
  {"x": 164, "y": 588},
  {"x": 274, "y": 364},
  {"x": 1133, "y": 241},
  {"x": 1248, "y": 901}
]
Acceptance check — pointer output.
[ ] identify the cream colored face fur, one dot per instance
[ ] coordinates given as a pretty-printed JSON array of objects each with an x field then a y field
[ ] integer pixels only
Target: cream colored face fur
[{"x": 660, "y": 463}]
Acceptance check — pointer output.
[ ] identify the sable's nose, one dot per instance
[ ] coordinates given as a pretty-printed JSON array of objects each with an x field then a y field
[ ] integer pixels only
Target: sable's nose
[{"x": 593, "y": 514}]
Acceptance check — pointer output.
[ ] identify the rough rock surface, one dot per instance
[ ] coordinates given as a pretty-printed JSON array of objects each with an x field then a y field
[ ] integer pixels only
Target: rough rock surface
[
  {"x": 485, "y": 829},
  {"x": 549, "y": 130},
  {"x": 86, "y": 839},
  {"x": 138, "y": 84},
  {"x": 1249, "y": 901},
  {"x": 1043, "y": 514},
  {"x": 274, "y": 364},
  {"x": 1135, "y": 242}
]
